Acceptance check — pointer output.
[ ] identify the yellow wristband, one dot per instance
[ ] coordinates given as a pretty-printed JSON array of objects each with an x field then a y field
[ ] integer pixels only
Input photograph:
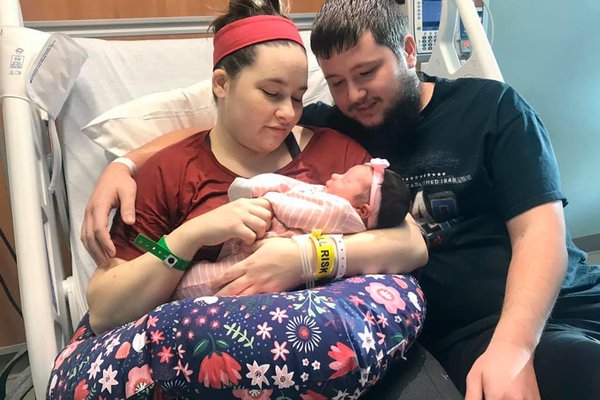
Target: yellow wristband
[{"x": 325, "y": 249}]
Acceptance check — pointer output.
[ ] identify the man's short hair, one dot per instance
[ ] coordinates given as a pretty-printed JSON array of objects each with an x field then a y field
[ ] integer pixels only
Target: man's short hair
[{"x": 339, "y": 24}]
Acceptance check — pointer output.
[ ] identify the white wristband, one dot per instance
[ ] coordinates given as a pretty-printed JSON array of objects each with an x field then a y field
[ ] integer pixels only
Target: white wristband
[
  {"x": 306, "y": 253},
  {"x": 340, "y": 256},
  {"x": 128, "y": 163}
]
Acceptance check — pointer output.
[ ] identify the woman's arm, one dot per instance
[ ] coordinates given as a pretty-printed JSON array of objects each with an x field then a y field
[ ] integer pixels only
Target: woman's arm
[
  {"x": 275, "y": 264},
  {"x": 121, "y": 291},
  {"x": 115, "y": 188},
  {"x": 387, "y": 251}
]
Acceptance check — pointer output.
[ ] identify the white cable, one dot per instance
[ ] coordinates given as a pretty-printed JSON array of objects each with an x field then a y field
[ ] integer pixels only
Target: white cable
[{"x": 491, "y": 17}]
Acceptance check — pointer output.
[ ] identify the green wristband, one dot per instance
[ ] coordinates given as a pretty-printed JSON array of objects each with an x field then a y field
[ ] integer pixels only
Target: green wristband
[{"x": 162, "y": 251}]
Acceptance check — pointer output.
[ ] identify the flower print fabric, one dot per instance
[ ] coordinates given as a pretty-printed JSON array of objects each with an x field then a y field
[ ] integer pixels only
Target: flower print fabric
[{"x": 329, "y": 342}]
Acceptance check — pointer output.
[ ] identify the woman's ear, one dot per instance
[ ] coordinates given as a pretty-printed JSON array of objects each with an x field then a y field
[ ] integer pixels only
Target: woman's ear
[
  {"x": 363, "y": 210},
  {"x": 220, "y": 82}
]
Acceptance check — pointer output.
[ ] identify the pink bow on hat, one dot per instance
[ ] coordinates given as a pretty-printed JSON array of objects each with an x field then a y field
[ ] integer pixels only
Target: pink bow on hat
[{"x": 379, "y": 165}]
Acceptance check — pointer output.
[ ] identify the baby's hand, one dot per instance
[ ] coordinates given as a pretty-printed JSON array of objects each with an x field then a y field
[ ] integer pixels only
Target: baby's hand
[{"x": 244, "y": 219}]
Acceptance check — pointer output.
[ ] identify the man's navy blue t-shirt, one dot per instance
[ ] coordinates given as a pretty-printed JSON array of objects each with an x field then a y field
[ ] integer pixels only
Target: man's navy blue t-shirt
[{"x": 477, "y": 157}]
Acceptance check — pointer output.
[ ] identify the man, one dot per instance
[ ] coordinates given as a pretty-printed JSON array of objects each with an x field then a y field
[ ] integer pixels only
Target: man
[
  {"x": 486, "y": 189},
  {"x": 486, "y": 186}
]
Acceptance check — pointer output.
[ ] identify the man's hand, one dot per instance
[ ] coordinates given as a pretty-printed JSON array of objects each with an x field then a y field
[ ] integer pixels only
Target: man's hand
[
  {"x": 503, "y": 372},
  {"x": 114, "y": 188},
  {"x": 273, "y": 267}
]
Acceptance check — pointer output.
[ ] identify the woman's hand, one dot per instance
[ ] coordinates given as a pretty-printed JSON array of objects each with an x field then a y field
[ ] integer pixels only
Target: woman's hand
[
  {"x": 114, "y": 188},
  {"x": 244, "y": 219},
  {"x": 273, "y": 266}
]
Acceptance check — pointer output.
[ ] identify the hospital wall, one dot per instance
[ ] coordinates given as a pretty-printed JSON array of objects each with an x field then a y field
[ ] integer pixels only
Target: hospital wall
[
  {"x": 41, "y": 10},
  {"x": 549, "y": 50}
]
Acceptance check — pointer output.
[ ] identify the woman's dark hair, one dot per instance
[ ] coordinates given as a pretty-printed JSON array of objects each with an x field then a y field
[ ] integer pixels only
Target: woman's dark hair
[
  {"x": 339, "y": 24},
  {"x": 395, "y": 200},
  {"x": 240, "y": 9}
]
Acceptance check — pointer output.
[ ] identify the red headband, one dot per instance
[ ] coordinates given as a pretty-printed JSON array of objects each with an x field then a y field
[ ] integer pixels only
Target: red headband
[{"x": 253, "y": 30}]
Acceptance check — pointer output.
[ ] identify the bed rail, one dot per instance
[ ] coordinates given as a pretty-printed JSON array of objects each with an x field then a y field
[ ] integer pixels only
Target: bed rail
[
  {"x": 444, "y": 60},
  {"x": 34, "y": 209}
]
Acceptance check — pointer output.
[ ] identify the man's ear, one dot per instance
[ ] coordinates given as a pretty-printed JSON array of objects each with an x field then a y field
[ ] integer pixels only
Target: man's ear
[
  {"x": 220, "y": 82},
  {"x": 363, "y": 210},
  {"x": 410, "y": 50}
]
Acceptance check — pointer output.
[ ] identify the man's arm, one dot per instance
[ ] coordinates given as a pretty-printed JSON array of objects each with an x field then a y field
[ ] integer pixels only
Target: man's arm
[
  {"x": 115, "y": 188},
  {"x": 140, "y": 155},
  {"x": 536, "y": 272}
]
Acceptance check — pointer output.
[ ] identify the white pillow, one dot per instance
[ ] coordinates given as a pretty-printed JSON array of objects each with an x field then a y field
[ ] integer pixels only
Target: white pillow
[{"x": 132, "y": 124}]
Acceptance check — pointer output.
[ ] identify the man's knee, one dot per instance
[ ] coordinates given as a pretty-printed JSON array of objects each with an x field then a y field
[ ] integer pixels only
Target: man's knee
[{"x": 567, "y": 363}]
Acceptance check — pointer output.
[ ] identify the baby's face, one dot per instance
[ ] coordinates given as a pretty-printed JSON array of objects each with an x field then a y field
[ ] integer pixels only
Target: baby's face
[{"x": 356, "y": 181}]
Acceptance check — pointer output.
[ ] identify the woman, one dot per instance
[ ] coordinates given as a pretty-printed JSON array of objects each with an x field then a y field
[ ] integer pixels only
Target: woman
[
  {"x": 257, "y": 106},
  {"x": 259, "y": 77}
]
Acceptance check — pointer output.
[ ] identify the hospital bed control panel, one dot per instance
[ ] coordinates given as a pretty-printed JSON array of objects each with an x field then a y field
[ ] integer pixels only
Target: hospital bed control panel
[{"x": 424, "y": 20}]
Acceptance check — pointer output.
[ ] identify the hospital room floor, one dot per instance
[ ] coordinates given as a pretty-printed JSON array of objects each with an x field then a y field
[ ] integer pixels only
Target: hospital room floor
[
  {"x": 13, "y": 377},
  {"x": 594, "y": 258}
]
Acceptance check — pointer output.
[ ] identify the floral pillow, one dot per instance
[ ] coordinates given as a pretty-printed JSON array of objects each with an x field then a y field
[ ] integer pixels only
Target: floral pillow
[{"x": 332, "y": 342}]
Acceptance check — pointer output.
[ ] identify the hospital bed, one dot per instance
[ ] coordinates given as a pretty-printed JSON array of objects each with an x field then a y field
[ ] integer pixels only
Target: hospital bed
[{"x": 51, "y": 175}]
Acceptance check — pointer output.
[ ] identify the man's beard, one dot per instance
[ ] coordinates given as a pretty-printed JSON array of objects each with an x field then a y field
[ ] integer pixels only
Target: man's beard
[{"x": 406, "y": 107}]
